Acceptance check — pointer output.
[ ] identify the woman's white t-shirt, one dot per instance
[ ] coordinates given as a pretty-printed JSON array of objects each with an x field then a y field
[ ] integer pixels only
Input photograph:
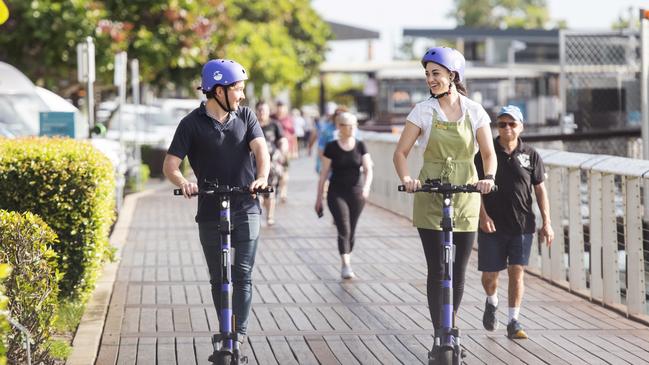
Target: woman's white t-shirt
[{"x": 422, "y": 116}]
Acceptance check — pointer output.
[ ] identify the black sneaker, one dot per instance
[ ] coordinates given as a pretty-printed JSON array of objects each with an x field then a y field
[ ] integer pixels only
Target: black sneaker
[
  {"x": 515, "y": 330},
  {"x": 489, "y": 317}
]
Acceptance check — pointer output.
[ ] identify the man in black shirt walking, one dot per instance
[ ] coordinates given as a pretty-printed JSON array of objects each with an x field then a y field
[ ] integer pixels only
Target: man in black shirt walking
[{"x": 507, "y": 221}]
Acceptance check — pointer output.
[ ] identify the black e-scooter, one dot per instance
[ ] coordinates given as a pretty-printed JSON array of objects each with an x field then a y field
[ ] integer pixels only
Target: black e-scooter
[
  {"x": 226, "y": 342},
  {"x": 447, "y": 343}
]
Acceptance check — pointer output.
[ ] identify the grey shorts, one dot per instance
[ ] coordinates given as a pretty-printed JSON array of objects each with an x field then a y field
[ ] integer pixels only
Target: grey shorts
[{"x": 497, "y": 250}]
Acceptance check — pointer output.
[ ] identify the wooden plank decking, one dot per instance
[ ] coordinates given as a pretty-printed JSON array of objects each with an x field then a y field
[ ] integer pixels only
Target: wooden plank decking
[{"x": 161, "y": 311}]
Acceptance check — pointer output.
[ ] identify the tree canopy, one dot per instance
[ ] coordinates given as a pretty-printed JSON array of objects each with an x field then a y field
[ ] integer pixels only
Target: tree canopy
[
  {"x": 281, "y": 42},
  {"x": 171, "y": 39},
  {"x": 501, "y": 13},
  {"x": 626, "y": 20},
  {"x": 40, "y": 37}
]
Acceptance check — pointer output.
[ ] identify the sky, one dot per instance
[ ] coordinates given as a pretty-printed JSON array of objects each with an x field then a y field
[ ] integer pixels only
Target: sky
[{"x": 389, "y": 16}]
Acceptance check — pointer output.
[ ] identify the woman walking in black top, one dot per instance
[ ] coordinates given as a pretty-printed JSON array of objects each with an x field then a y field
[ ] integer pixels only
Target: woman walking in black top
[{"x": 348, "y": 189}]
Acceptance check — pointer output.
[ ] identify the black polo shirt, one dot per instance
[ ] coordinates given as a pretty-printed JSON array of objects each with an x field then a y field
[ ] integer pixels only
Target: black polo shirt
[
  {"x": 219, "y": 151},
  {"x": 511, "y": 206}
]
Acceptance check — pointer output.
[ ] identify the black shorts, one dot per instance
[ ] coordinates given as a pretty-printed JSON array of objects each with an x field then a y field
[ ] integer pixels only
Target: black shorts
[{"x": 497, "y": 250}]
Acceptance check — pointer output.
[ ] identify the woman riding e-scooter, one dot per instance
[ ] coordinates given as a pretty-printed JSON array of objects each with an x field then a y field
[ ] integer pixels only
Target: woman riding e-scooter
[{"x": 450, "y": 129}]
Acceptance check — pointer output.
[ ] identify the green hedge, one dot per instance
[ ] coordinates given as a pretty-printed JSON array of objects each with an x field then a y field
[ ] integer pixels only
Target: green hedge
[
  {"x": 32, "y": 286},
  {"x": 5, "y": 270},
  {"x": 70, "y": 185}
]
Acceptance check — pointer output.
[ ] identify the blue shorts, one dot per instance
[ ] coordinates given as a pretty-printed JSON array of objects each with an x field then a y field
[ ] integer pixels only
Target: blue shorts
[{"x": 497, "y": 250}]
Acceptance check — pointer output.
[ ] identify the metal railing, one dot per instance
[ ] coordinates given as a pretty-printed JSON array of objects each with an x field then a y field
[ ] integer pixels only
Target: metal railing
[
  {"x": 603, "y": 196},
  {"x": 599, "y": 83},
  {"x": 597, "y": 211}
]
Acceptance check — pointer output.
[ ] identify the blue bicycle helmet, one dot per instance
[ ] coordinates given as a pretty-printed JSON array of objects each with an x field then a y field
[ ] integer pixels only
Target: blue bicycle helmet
[
  {"x": 221, "y": 72},
  {"x": 448, "y": 57}
]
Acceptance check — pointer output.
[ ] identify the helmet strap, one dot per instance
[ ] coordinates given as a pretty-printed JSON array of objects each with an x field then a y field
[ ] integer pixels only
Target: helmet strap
[
  {"x": 438, "y": 96},
  {"x": 225, "y": 107}
]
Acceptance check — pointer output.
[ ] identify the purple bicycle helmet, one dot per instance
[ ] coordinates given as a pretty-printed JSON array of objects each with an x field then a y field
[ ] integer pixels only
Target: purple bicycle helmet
[
  {"x": 221, "y": 72},
  {"x": 448, "y": 57}
]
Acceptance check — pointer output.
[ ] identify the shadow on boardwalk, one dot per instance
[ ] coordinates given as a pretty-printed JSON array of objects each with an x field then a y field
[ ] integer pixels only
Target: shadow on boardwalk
[{"x": 161, "y": 310}]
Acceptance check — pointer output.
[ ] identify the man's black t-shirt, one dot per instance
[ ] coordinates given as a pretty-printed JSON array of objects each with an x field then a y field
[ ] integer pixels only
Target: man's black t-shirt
[
  {"x": 511, "y": 206},
  {"x": 345, "y": 167},
  {"x": 219, "y": 152}
]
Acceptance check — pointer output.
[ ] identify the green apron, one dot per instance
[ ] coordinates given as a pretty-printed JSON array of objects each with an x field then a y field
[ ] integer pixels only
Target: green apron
[{"x": 449, "y": 157}]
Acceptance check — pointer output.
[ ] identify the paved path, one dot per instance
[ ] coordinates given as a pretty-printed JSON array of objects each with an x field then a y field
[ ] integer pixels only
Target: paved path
[{"x": 161, "y": 310}]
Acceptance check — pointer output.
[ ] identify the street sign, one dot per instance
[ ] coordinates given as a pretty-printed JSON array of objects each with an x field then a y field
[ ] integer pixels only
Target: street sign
[
  {"x": 86, "y": 61},
  {"x": 86, "y": 74},
  {"x": 120, "y": 69},
  {"x": 57, "y": 124}
]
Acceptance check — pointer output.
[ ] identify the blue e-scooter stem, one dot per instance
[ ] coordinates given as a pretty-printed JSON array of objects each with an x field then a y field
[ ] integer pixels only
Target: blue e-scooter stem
[
  {"x": 448, "y": 341},
  {"x": 226, "y": 342}
]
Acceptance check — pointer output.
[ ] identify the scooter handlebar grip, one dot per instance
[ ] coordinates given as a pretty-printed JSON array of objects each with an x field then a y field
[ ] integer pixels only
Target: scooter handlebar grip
[
  {"x": 179, "y": 192},
  {"x": 267, "y": 190}
]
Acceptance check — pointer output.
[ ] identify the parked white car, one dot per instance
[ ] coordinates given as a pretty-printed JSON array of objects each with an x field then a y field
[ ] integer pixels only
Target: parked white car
[
  {"x": 144, "y": 124},
  {"x": 19, "y": 103},
  {"x": 177, "y": 109}
]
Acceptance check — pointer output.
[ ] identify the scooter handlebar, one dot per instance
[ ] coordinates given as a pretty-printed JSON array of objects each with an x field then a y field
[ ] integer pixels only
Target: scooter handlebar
[
  {"x": 229, "y": 190},
  {"x": 440, "y": 188}
]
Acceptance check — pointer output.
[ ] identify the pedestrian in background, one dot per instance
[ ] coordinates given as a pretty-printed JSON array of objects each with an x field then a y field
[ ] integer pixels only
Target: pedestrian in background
[
  {"x": 350, "y": 165},
  {"x": 325, "y": 132},
  {"x": 300, "y": 128},
  {"x": 286, "y": 121},
  {"x": 278, "y": 150},
  {"x": 507, "y": 221}
]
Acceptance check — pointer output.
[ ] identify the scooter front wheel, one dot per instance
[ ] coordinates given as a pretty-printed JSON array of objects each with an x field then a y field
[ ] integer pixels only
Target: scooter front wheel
[
  {"x": 443, "y": 357},
  {"x": 221, "y": 358}
]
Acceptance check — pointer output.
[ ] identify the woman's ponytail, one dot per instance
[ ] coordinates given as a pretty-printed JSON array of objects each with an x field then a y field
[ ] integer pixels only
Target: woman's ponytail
[{"x": 459, "y": 86}]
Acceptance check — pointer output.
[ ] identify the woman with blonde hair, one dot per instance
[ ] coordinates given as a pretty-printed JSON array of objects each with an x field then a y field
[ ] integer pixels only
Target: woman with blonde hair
[{"x": 349, "y": 185}]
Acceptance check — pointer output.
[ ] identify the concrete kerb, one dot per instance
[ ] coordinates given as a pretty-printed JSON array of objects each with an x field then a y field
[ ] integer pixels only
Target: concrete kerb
[{"x": 85, "y": 345}]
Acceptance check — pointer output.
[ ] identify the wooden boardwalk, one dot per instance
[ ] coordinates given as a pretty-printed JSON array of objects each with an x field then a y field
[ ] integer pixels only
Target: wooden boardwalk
[{"x": 161, "y": 310}]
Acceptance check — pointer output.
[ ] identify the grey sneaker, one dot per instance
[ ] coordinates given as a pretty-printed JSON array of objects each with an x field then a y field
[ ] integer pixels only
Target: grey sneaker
[
  {"x": 489, "y": 320},
  {"x": 346, "y": 272},
  {"x": 515, "y": 330}
]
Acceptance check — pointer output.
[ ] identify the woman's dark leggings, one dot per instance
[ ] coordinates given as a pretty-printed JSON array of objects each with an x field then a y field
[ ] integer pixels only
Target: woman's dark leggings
[
  {"x": 346, "y": 208},
  {"x": 433, "y": 242}
]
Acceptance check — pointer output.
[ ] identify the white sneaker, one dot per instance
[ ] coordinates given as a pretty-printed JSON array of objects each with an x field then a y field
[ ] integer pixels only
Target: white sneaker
[{"x": 346, "y": 272}]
